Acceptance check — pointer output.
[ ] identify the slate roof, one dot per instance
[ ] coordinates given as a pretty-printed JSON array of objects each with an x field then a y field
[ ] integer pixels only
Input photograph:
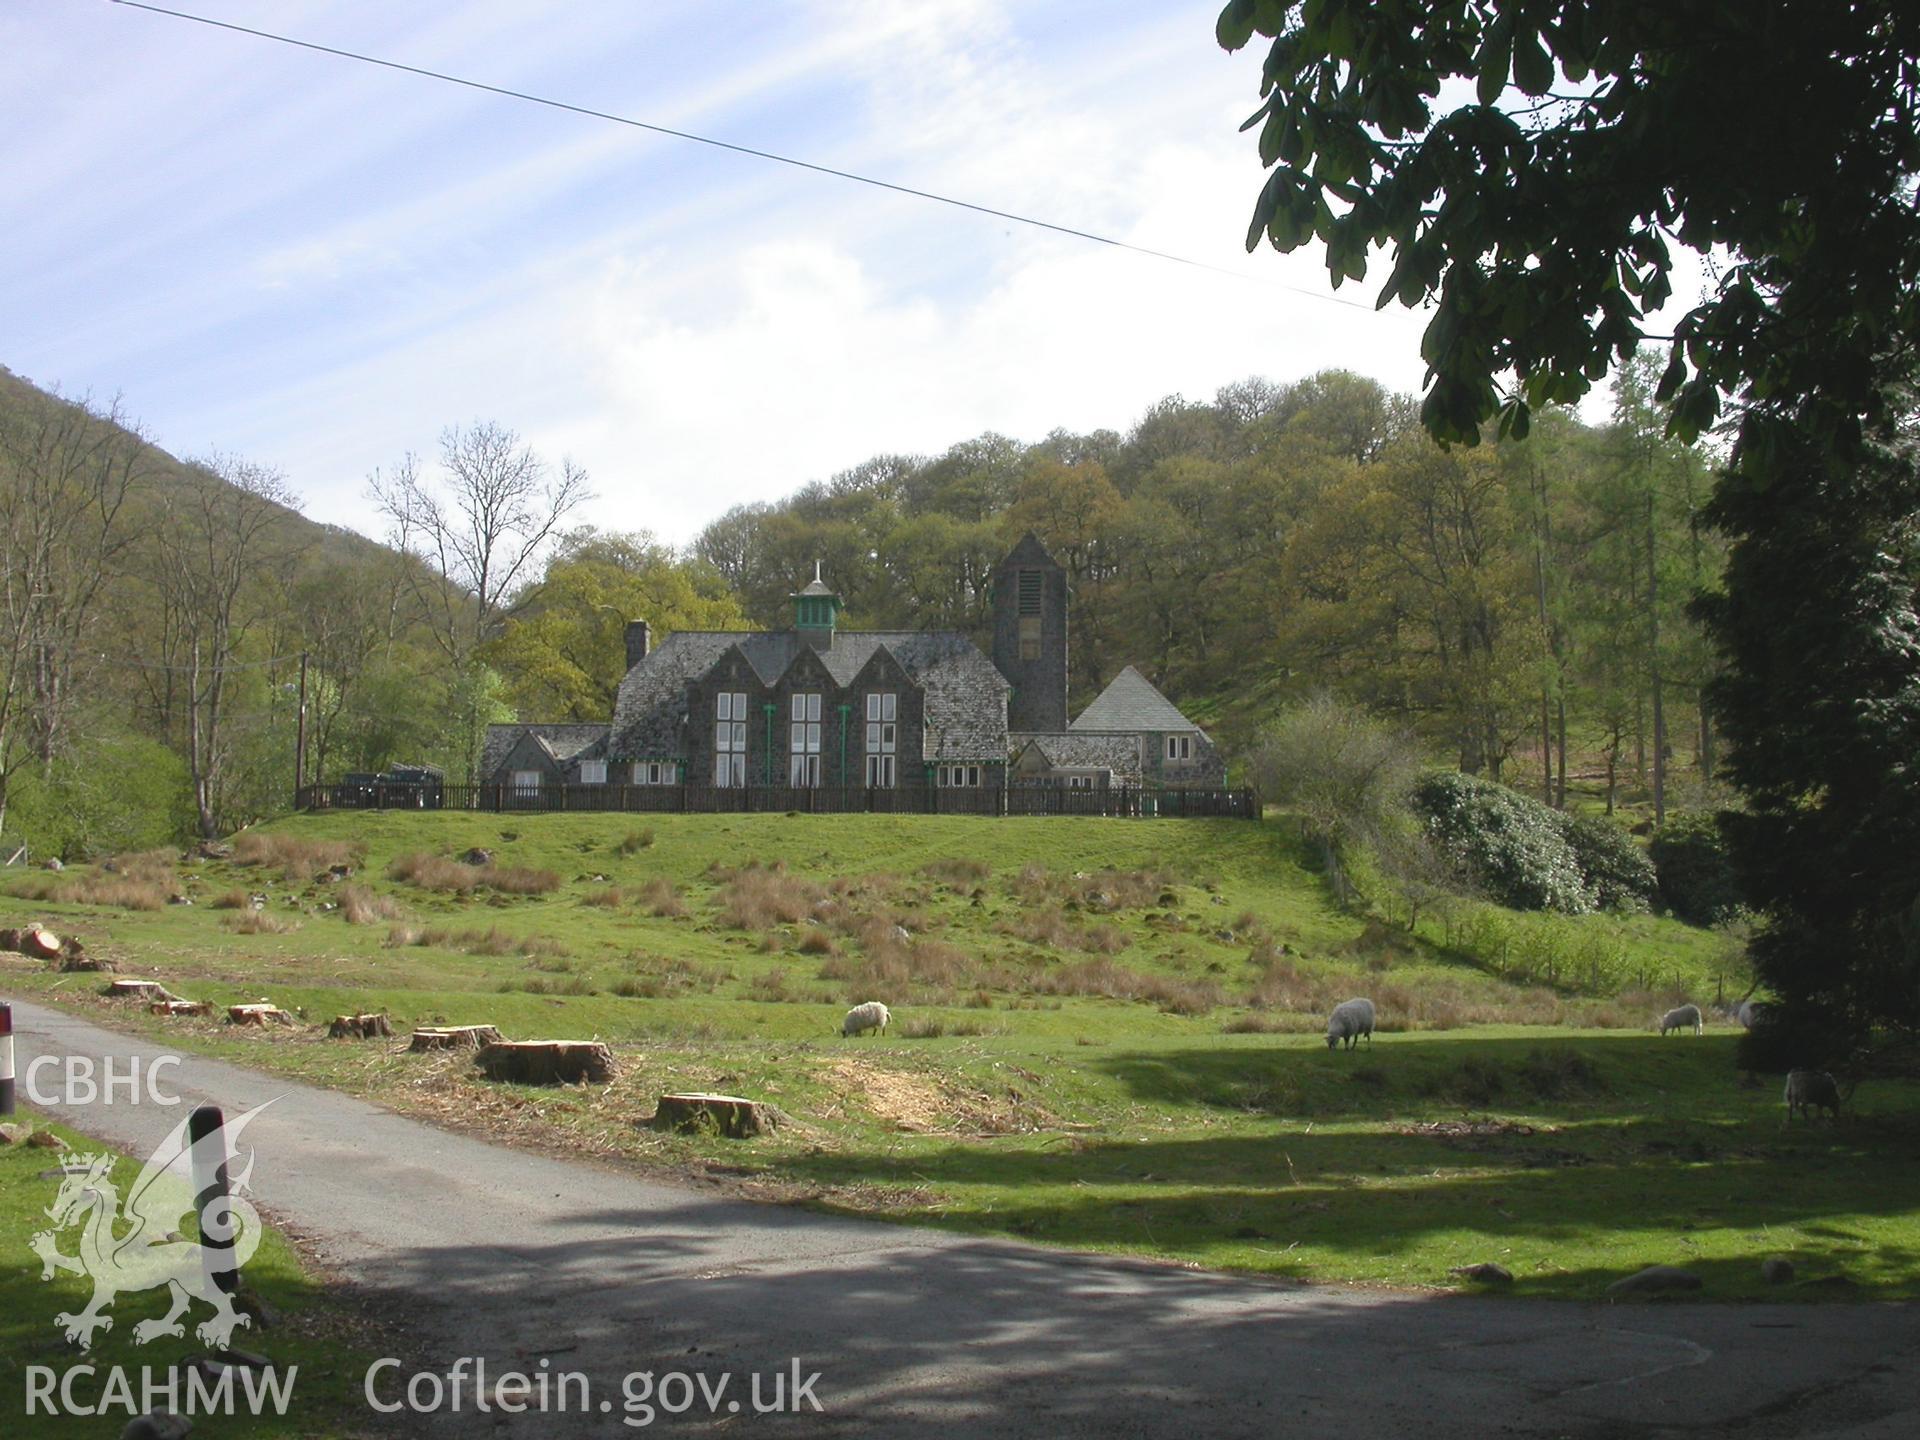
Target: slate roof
[
  {"x": 1118, "y": 753},
  {"x": 1029, "y": 552},
  {"x": 1131, "y": 703},
  {"x": 965, "y": 694},
  {"x": 563, "y": 742}
]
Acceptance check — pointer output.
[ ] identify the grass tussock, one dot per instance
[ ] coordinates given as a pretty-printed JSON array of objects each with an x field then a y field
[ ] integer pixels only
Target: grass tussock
[
  {"x": 1116, "y": 982},
  {"x": 935, "y": 1027},
  {"x": 543, "y": 985},
  {"x": 662, "y": 899},
  {"x": 760, "y": 897},
  {"x": 231, "y": 900},
  {"x": 816, "y": 941},
  {"x": 635, "y": 841},
  {"x": 1050, "y": 929},
  {"x": 296, "y": 857},
  {"x": 662, "y": 979},
  {"x": 437, "y": 872},
  {"x": 611, "y": 898},
  {"x": 924, "y": 969},
  {"x": 261, "y": 922},
  {"x": 1101, "y": 892},
  {"x": 959, "y": 873},
  {"x": 491, "y": 941},
  {"x": 150, "y": 867},
  {"x": 361, "y": 906},
  {"x": 115, "y": 891}
]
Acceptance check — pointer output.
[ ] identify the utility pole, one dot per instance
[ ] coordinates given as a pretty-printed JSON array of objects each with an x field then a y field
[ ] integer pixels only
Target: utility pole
[{"x": 300, "y": 740}]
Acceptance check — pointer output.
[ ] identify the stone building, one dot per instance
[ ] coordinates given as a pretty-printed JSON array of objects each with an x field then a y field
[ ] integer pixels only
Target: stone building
[{"x": 816, "y": 705}]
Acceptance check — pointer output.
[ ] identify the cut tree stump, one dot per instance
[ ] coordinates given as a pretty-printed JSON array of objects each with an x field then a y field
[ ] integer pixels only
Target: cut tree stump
[
  {"x": 80, "y": 961},
  {"x": 727, "y": 1115},
  {"x": 453, "y": 1037},
  {"x": 180, "y": 1007},
  {"x": 359, "y": 1027},
  {"x": 41, "y": 944},
  {"x": 260, "y": 1014},
  {"x": 547, "y": 1062},
  {"x": 147, "y": 990}
]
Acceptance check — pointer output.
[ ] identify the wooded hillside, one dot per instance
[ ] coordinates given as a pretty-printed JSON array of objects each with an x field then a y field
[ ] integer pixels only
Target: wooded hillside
[
  {"x": 1526, "y": 599},
  {"x": 1514, "y": 604}
]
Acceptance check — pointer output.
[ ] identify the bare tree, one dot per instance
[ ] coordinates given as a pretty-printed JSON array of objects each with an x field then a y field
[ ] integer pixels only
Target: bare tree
[
  {"x": 480, "y": 527},
  {"x": 216, "y": 535},
  {"x": 1344, "y": 773},
  {"x": 67, "y": 469}
]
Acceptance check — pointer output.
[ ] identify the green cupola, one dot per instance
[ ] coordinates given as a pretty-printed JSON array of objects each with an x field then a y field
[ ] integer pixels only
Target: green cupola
[{"x": 815, "y": 611}]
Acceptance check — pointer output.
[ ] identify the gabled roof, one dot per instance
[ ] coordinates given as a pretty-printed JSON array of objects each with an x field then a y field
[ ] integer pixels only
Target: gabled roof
[
  {"x": 1131, "y": 703},
  {"x": 1028, "y": 552},
  {"x": 966, "y": 695},
  {"x": 1118, "y": 753},
  {"x": 561, "y": 742}
]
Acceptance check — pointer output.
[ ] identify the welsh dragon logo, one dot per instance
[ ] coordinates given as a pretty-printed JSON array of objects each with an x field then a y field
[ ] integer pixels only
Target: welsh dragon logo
[{"x": 136, "y": 1245}]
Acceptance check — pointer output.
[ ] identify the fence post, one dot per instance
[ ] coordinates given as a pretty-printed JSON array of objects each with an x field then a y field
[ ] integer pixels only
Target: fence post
[
  {"x": 6, "y": 1058},
  {"x": 212, "y": 1203}
]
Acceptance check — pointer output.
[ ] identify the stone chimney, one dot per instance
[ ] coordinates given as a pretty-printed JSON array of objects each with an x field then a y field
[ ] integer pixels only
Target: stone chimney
[{"x": 639, "y": 638}]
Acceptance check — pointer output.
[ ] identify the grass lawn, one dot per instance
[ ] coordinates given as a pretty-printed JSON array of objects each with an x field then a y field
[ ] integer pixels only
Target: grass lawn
[
  {"x": 1106, "y": 1034},
  {"x": 313, "y": 1331}
]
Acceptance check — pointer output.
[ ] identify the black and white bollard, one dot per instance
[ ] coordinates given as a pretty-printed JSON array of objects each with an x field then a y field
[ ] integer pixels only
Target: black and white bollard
[
  {"x": 206, "y": 1128},
  {"x": 6, "y": 1058}
]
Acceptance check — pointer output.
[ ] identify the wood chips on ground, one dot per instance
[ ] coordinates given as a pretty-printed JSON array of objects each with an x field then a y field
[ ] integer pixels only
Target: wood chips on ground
[{"x": 922, "y": 1105}]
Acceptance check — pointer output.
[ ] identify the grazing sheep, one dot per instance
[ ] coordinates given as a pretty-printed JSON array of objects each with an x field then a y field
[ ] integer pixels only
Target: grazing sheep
[
  {"x": 1349, "y": 1021},
  {"x": 1682, "y": 1016},
  {"x": 1808, "y": 1088},
  {"x": 862, "y": 1018},
  {"x": 1751, "y": 1013}
]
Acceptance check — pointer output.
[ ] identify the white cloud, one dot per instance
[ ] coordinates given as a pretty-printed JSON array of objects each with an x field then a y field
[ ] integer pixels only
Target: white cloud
[{"x": 321, "y": 266}]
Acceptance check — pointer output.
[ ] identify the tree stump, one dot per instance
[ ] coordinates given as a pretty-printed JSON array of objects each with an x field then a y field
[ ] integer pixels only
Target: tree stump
[
  {"x": 452, "y": 1037},
  {"x": 147, "y": 990},
  {"x": 40, "y": 944},
  {"x": 727, "y": 1115},
  {"x": 359, "y": 1027},
  {"x": 260, "y": 1014},
  {"x": 80, "y": 961},
  {"x": 547, "y": 1062}
]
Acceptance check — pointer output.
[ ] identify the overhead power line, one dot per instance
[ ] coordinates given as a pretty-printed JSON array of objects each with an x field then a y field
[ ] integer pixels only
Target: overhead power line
[{"x": 747, "y": 150}]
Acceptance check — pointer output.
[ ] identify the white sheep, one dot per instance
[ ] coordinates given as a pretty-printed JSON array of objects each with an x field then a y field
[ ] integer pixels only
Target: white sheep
[
  {"x": 870, "y": 1016},
  {"x": 1751, "y": 1013},
  {"x": 1349, "y": 1021},
  {"x": 1682, "y": 1016},
  {"x": 1808, "y": 1088}
]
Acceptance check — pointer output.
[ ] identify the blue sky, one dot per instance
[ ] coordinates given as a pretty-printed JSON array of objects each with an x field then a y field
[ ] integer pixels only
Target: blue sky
[{"x": 319, "y": 265}]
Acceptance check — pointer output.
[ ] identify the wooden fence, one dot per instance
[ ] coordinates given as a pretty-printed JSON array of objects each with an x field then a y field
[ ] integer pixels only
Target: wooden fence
[{"x": 779, "y": 799}]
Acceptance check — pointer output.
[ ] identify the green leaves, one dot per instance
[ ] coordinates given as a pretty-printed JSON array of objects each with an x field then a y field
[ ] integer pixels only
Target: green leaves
[
  {"x": 1490, "y": 62},
  {"x": 1532, "y": 69}
]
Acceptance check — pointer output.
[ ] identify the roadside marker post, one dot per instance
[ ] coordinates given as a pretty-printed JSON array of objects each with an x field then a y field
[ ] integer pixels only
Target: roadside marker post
[
  {"x": 212, "y": 1205},
  {"x": 6, "y": 1058}
]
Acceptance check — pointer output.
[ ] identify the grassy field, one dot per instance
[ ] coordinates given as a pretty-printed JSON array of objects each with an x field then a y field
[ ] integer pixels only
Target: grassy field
[
  {"x": 312, "y": 1330},
  {"x": 1106, "y": 1034}
]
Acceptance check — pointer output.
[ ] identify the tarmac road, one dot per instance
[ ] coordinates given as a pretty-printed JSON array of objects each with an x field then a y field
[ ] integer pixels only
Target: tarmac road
[{"x": 495, "y": 1253}]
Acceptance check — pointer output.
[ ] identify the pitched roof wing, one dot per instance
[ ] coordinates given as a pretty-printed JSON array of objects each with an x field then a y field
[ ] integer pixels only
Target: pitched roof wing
[
  {"x": 1131, "y": 703},
  {"x": 563, "y": 742}
]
